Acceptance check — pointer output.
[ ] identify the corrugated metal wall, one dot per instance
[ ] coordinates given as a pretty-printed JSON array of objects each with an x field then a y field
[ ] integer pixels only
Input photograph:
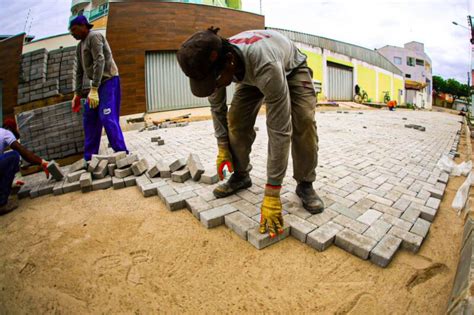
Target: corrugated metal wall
[
  {"x": 167, "y": 88},
  {"x": 339, "y": 83},
  {"x": 370, "y": 56}
]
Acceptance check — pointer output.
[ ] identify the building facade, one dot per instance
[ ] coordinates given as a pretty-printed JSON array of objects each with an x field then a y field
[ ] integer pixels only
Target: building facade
[
  {"x": 415, "y": 64},
  {"x": 341, "y": 66}
]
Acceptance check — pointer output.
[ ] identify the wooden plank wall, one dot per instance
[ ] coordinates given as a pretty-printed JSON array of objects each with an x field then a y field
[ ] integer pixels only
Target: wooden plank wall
[{"x": 10, "y": 63}]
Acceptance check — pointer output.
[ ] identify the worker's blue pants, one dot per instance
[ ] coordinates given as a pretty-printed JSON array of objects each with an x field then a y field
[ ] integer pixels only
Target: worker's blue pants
[
  {"x": 106, "y": 115},
  {"x": 9, "y": 165}
]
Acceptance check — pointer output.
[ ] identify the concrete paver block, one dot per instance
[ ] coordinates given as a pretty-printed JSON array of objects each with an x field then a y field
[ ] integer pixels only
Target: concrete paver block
[
  {"x": 239, "y": 223},
  {"x": 404, "y": 225},
  {"x": 322, "y": 218},
  {"x": 177, "y": 165},
  {"x": 111, "y": 169},
  {"x": 378, "y": 230},
  {"x": 58, "y": 188},
  {"x": 195, "y": 167},
  {"x": 355, "y": 243},
  {"x": 297, "y": 210},
  {"x": 130, "y": 181},
  {"x": 369, "y": 217},
  {"x": 410, "y": 215},
  {"x": 300, "y": 228},
  {"x": 411, "y": 241},
  {"x": 86, "y": 182},
  {"x": 24, "y": 191},
  {"x": 197, "y": 205},
  {"x": 139, "y": 167},
  {"x": 155, "y": 138},
  {"x": 246, "y": 208},
  {"x": 421, "y": 227},
  {"x": 153, "y": 171},
  {"x": 74, "y": 176},
  {"x": 118, "y": 183},
  {"x": 349, "y": 223},
  {"x": 78, "y": 165},
  {"x": 124, "y": 172},
  {"x": 163, "y": 169},
  {"x": 177, "y": 202},
  {"x": 165, "y": 191},
  {"x": 323, "y": 237},
  {"x": 93, "y": 164},
  {"x": 261, "y": 241},
  {"x": 126, "y": 161},
  {"x": 181, "y": 176},
  {"x": 433, "y": 203},
  {"x": 71, "y": 187},
  {"x": 103, "y": 183},
  {"x": 101, "y": 170},
  {"x": 215, "y": 217},
  {"x": 55, "y": 171},
  {"x": 209, "y": 177},
  {"x": 384, "y": 251}
]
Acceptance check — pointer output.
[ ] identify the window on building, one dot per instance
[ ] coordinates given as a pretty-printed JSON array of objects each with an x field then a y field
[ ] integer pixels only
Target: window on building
[
  {"x": 397, "y": 60},
  {"x": 420, "y": 62},
  {"x": 408, "y": 75},
  {"x": 410, "y": 61}
]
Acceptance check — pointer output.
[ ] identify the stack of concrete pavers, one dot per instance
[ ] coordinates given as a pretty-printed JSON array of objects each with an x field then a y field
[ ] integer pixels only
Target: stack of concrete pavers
[
  {"x": 52, "y": 132},
  {"x": 61, "y": 67},
  {"x": 44, "y": 74}
]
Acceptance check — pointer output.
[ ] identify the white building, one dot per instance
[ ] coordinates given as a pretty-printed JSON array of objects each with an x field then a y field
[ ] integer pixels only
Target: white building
[{"x": 416, "y": 67}]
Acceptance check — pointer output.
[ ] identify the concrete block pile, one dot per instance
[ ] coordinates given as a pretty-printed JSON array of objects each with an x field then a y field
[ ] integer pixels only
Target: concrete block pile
[
  {"x": 33, "y": 84},
  {"x": 61, "y": 67},
  {"x": 44, "y": 74},
  {"x": 52, "y": 132}
]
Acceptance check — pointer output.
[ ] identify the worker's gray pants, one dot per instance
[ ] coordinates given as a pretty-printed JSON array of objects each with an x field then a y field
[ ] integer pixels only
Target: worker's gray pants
[{"x": 246, "y": 104}]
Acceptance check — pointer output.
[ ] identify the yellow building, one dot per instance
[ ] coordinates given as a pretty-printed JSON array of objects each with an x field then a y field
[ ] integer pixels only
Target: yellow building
[{"x": 341, "y": 66}]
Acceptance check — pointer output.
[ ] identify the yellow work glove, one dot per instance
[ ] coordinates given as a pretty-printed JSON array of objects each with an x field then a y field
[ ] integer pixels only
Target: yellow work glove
[
  {"x": 93, "y": 98},
  {"x": 270, "y": 215},
  {"x": 224, "y": 158}
]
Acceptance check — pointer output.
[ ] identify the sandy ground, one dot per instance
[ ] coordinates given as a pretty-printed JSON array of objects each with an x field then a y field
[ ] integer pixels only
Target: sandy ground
[{"x": 117, "y": 252}]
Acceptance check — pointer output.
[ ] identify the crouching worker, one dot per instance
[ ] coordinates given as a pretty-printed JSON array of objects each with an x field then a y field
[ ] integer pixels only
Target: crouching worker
[{"x": 10, "y": 163}]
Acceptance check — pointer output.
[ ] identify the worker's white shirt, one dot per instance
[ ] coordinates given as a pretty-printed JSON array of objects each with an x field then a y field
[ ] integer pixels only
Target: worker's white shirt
[{"x": 6, "y": 139}]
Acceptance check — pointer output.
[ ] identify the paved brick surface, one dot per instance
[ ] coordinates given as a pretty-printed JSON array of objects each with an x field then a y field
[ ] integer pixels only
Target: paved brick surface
[{"x": 378, "y": 179}]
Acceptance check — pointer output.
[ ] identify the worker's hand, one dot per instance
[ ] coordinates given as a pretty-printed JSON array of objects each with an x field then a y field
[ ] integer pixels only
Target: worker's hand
[
  {"x": 76, "y": 103},
  {"x": 270, "y": 216},
  {"x": 44, "y": 165},
  {"x": 93, "y": 98},
  {"x": 224, "y": 158}
]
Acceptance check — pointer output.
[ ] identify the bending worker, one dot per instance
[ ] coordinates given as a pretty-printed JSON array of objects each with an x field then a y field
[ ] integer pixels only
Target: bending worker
[
  {"x": 265, "y": 65},
  {"x": 10, "y": 163},
  {"x": 102, "y": 108}
]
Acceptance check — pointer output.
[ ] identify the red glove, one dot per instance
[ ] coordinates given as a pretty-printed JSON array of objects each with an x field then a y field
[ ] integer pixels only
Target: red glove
[
  {"x": 44, "y": 165},
  {"x": 76, "y": 104}
]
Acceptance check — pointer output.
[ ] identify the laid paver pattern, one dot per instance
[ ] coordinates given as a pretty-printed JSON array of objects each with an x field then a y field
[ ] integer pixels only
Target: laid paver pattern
[{"x": 378, "y": 179}]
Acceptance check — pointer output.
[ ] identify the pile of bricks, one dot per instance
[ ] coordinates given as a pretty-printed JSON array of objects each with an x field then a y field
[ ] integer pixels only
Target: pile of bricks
[
  {"x": 119, "y": 170},
  {"x": 61, "y": 67},
  {"x": 44, "y": 74},
  {"x": 52, "y": 132}
]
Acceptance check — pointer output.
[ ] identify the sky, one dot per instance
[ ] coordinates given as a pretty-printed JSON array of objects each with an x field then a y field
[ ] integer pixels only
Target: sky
[{"x": 368, "y": 23}]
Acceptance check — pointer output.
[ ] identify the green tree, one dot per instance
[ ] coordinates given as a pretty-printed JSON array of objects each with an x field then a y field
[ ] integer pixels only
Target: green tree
[
  {"x": 439, "y": 84},
  {"x": 450, "y": 86}
]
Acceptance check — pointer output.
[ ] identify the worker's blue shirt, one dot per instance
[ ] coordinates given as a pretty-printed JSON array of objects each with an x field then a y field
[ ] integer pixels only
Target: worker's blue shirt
[{"x": 6, "y": 139}]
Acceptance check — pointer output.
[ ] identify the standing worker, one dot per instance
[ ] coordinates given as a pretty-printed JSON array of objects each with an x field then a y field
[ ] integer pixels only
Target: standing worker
[
  {"x": 264, "y": 64},
  {"x": 102, "y": 108},
  {"x": 10, "y": 163}
]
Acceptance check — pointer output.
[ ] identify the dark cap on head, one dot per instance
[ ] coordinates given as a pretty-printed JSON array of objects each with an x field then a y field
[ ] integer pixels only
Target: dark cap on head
[
  {"x": 80, "y": 20},
  {"x": 197, "y": 58}
]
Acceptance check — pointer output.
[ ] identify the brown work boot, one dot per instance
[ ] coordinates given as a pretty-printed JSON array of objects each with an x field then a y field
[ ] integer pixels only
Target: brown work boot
[
  {"x": 311, "y": 201},
  {"x": 235, "y": 183},
  {"x": 11, "y": 205}
]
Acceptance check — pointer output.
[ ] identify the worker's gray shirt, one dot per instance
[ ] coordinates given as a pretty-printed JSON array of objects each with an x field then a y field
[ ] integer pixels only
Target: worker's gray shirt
[
  {"x": 94, "y": 58},
  {"x": 269, "y": 57}
]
